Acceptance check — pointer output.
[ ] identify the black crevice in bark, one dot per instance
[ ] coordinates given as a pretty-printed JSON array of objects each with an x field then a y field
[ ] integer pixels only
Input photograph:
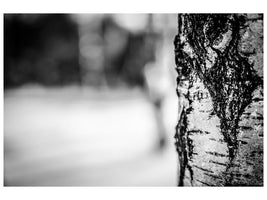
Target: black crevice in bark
[
  {"x": 218, "y": 163},
  {"x": 181, "y": 143},
  {"x": 216, "y": 154},
  {"x": 213, "y": 176},
  {"x": 203, "y": 169},
  {"x": 204, "y": 183}
]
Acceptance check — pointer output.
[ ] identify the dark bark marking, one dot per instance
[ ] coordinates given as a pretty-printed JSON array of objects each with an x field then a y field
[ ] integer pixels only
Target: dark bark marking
[
  {"x": 207, "y": 184},
  {"x": 201, "y": 168},
  {"x": 216, "y": 154},
  {"x": 218, "y": 163}
]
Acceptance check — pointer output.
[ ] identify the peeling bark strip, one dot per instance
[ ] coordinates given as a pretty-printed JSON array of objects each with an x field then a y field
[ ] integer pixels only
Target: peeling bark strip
[{"x": 219, "y": 135}]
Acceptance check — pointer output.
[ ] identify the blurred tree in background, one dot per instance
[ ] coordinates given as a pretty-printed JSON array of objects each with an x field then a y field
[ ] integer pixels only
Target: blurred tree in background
[
  {"x": 114, "y": 49},
  {"x": 60, "y": 49}
]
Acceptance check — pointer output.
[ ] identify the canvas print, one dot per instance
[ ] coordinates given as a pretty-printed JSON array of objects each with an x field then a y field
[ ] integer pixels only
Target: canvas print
[{"x": 133, "y": 99}]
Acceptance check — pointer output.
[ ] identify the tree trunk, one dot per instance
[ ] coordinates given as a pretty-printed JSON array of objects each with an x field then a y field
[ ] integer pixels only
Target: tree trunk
[{"x": 219, "y": 135}]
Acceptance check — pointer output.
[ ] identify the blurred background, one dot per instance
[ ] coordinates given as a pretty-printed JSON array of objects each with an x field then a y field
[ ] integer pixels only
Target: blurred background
[{"x": 89, "y": 100}]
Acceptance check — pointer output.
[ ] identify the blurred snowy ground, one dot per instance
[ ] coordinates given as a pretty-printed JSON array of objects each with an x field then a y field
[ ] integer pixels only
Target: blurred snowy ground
[{"x": 76, "y": 136}]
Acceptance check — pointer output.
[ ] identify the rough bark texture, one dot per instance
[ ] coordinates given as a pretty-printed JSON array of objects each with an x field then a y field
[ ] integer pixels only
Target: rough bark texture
[{"x": 219, "y": 135}]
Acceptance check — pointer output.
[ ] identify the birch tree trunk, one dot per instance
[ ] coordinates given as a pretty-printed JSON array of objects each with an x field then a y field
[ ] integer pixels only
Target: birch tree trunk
[{"x": 219, "y": 134}]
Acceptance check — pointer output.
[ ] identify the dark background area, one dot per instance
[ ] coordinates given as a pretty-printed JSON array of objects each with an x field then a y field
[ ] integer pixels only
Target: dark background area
[
  {"x": 44, "y": 49},
  {"x": 40, "y": 49}
]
